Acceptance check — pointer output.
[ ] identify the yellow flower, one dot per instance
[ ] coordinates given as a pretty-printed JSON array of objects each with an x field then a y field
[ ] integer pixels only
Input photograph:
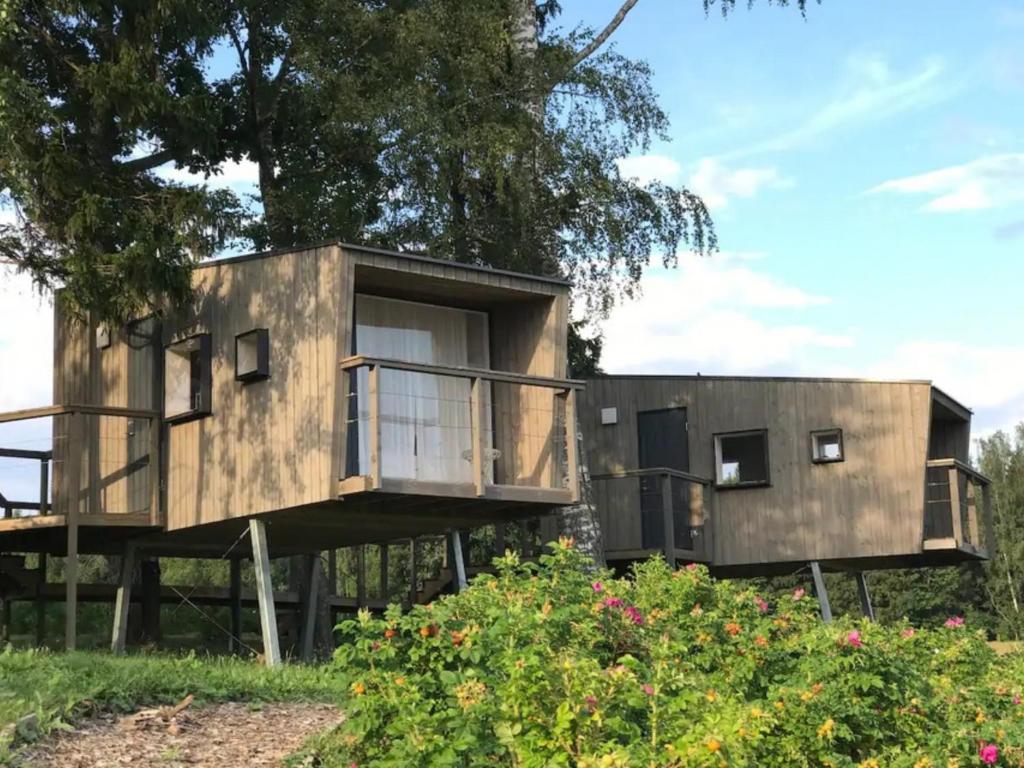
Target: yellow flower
[
  {"x": 779, "y": 705},
  {"x": 756, "y": 712},
  {"x": 711, "y": 695},
  {"x": 980, "y": 717},
  {"x": 358, "y": 689},
  {"x": 714, "y": 745},
  {"x": 399, "y": 681},
  {"x": 869, "y": 763},
  {"x": 806, "y": 696},
  {"x": 470, "y": 693},
  {"x": 826, "y": 728},
  {"x": 924, "y": 762}
]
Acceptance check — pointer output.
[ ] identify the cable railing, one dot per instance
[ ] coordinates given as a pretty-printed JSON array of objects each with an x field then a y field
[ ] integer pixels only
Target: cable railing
[
  {"x": 104, "y": 461},
  {"x": 956, "y": 506},
  {"x": 665, "y": 510},
  {"x": 429, "y": 429}
]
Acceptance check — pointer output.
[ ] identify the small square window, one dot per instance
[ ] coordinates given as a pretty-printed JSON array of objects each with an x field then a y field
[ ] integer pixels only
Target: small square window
[
  {"x": 827, "y": 446},
  {"x": 188, "y": 378},
  {"x": 252, "y": 355},
  {"x": 741, "y": 459}
]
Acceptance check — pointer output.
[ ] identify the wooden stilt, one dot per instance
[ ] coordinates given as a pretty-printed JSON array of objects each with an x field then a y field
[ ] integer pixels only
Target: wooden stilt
[
  {"x": 74, "y": 485},
  {"x": 360, "y": 576},
  {"x": 40, "y": 605},
  {"x": 821, "y": 592},
  {"x": 309, "y": 624},
  {"x": 865, "y": 596},
  {"x": 235, "y": 590},
  {"x": 265, "y": 592},
  {"x": 150, "y": 584},
  {"x": 123, "y": 600},
  {"x": 385, "y": 588},
  {"x": 460, "y": 566}
]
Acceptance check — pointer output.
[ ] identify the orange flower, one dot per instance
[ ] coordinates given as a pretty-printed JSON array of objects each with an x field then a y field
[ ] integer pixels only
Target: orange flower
[
  {"x": 733, "y": 628},
  {"x": 761, "y": 641},
  {"x": 399, "y": 681},
  {"x": 428, "y": 631},
  {"x": 457, "y": 638},
  {"x": 358, "y": 689},
  {"x": 389, "y": 633},
  {"x": 714, "y": 745}
]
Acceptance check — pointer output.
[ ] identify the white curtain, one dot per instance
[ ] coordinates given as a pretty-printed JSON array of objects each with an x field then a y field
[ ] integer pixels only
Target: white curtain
[{"x": 426, "y": 430}]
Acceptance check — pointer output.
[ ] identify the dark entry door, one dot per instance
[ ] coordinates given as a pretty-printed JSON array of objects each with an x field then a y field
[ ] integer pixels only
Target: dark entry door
[{"x": 662, "y": 442}]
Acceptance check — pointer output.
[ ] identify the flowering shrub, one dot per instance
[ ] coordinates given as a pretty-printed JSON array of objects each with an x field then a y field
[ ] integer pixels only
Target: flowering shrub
[{"x": 555, "y": 665}]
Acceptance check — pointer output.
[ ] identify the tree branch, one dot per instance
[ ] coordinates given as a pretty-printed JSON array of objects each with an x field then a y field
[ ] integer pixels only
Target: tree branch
[
  {"x": 147, "y": 163},
  {"x": 600, "y": 40}
]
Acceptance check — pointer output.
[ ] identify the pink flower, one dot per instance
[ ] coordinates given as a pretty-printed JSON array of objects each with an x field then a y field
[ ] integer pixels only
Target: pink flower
[
  {"x": 649, "y": 689},
  {"x": 955, "y": 621},
  {"x": 691, "y": 566},
  {"x": 853, "y": 639},
  {"x": 908, "y": 632},
  {"x": 762, "y": 606},
  {"x": 634, "y": 615},
  {"x": 591, "y": 704},
  {"x": 799, "y": 593},
  {"x": 612, "y": 602},
  {"x": 597, "y": 586},
  {"x": 989, "y": 754},
  {"x": 1016, "y": 699}
]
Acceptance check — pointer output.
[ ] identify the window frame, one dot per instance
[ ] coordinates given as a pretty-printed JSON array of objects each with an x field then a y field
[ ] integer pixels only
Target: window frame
[
  {"x": 717, "y": 444},
  {"x": 205, "y": 379},
  {"x": 262, "y": 369},
  {"x": 815, "y": 434}
]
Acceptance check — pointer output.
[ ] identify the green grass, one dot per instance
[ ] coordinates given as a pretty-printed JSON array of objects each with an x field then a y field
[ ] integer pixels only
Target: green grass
[{"x": 61, "y": 687}]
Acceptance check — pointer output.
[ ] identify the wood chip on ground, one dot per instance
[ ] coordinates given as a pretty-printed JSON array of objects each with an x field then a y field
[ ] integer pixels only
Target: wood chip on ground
[{"x": 221, "y": 735}]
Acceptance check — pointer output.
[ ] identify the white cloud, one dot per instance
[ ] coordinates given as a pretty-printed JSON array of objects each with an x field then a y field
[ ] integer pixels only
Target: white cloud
[
  {"x": 988, "y": 379},
  {"x": 712, "y": 179},
  {"x": 992, "y": 181},
  {"x": 871, "y": 92},
  {"x": 26, "y": 343},
  {"x": 716, "y": 183},
  {"x": 240, "y": 176},
  {"x": 647, "y": 168},
  {"x": 705, "y": 316}
]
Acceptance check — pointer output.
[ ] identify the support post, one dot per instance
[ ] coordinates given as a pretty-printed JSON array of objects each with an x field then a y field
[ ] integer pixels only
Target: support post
[
  {"x": 414, "y": 584},
  {"x": 74, "y": 489},
  {"x": 123, "y": 600},
  {"x": 309, "y": 624},
  {"x": 821, "y": 592},
  {"x": 373, "y": 393},
  {"x": 866, "y": 608},
  {"x": 150, "y": 583},
  {"x": 40, "y": 605},
  {"x": 476, "y": 418},
  {"x": 499, "y": 539},
  {"x": 360, "y": 575},
  {"x": 44, "y": 486},
  {"x": 265, "y": 592},
  {"x": 460, "y": 565},
  {"x": 954, "y": 505},
  {"x": 668, "y": 520},
  {"x": 384, "y": 568},
  {"x": 235, "y": 591}
]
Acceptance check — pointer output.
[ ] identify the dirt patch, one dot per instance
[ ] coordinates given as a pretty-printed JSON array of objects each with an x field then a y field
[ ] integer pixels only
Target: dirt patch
[{"x": 218, "y": 735}]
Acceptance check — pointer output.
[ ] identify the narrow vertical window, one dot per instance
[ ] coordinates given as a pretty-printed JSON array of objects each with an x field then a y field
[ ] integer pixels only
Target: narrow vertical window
[
  {"x": 252, "y": 355},
  {"x": 188, "y": 378}
]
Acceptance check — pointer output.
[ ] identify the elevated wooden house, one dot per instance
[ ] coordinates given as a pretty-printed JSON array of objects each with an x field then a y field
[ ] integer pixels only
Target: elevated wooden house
[
  {"x": 760, "y": 476},
  {"x": 334, "y": 394}
]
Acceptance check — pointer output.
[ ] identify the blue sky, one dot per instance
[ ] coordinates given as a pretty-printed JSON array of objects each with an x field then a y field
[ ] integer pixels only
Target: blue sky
[{"x": 865, "y": 169}]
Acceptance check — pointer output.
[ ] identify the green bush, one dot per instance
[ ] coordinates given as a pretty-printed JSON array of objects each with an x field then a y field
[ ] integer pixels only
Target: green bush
[{"x": 555, "y": 665}]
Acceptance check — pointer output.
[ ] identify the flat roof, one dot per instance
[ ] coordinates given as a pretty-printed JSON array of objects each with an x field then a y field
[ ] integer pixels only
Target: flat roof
[
  {"x": 942, "y": 395},
  {"x": 407, "y": 255}
]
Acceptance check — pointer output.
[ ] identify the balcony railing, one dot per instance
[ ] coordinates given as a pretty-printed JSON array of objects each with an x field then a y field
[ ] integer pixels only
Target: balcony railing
[
  {"x": 424, "y": 429},
  {"x": 104, "y": 464},
  {"x": 956, "y": 507},
  {"x": 672, "y": 513}
]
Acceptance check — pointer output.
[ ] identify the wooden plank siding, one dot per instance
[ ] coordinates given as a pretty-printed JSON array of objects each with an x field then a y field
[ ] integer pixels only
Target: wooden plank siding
[
  {"x": 869, "y": 505},
  {"x": 279, "y": 443}
]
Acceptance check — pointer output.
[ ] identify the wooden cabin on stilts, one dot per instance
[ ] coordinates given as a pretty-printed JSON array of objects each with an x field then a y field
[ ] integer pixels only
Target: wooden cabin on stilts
[{"x": 310, "y": 399}]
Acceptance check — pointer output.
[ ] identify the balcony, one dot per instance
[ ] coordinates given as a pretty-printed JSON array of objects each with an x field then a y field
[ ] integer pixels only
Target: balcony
[
  {"x": 957, "y": 516},
  {"x": 419, "y": 429},
  {"x": 674, "y": 506},
  {"x": 97, "y": 475}
]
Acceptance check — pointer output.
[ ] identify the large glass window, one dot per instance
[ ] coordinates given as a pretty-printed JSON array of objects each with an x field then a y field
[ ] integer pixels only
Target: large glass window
[
  {"x": 187, "y": 378},
  {"x": 741, "y": 459},
  {"x": 425, "y": 424}
]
